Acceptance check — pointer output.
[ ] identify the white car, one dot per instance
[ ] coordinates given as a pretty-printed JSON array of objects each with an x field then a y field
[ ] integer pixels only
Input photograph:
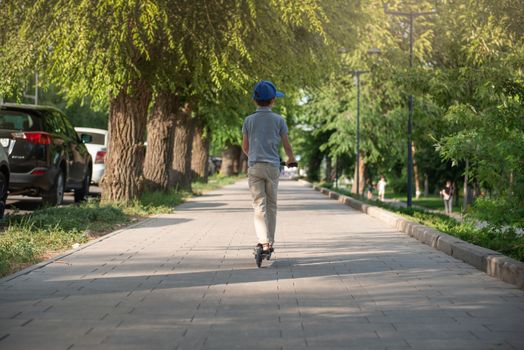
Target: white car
[{"x": 97, "y": 149}]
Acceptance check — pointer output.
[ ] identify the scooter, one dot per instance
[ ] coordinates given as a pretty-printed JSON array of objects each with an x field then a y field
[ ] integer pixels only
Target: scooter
[{"x": 259, "y": 252}]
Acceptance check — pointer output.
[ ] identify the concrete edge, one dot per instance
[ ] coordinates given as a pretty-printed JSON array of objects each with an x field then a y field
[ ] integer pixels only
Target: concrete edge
[
  {"x": 489, "y": 261},
  {"x": 62, "y": 255}
]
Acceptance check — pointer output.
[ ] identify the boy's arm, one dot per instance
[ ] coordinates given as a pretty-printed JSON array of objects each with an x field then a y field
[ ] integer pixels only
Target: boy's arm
[
  {"x": 288, "y": 149},
  {"x": 245, "y": 144}
]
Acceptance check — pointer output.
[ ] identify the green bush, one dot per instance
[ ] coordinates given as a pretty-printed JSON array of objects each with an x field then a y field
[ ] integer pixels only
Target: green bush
[{"x": 499, "y": 211}]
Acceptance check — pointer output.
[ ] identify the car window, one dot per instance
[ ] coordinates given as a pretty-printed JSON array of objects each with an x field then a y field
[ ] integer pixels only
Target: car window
[
  {"x": 69, "y": 129},
  {"x": 98, "y": 139},
  {"x": 54, "y": 123},
  {"x": 18, "y": 121}
]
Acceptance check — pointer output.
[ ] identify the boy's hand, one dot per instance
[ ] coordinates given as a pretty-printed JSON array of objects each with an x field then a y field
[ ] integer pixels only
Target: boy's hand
[{"x": 290, "y": 164}]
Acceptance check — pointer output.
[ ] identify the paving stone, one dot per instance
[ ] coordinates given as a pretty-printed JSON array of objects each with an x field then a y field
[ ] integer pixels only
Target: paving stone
[
  {"x": 458, "y": 344},
  {"x": 339, "y": 279}
]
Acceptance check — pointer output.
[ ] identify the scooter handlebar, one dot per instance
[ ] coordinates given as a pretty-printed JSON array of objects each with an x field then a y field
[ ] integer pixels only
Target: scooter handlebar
[{"x": 290, "y": 165}]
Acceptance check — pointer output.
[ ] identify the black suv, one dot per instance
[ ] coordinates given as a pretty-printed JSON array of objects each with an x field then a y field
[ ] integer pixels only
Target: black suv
[
  {"x": 4, "y": 180},
  {"x": 46, "y": 156}
]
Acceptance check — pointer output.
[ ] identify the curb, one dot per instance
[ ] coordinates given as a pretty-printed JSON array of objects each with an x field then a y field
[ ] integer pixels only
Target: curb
[
  {"x": 44, "y": 263},
  {"x": 489, "y": 261}
]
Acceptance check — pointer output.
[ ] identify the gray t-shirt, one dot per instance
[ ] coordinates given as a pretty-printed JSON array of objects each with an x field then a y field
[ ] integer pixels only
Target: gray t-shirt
[{"x": 264, "y": 130}]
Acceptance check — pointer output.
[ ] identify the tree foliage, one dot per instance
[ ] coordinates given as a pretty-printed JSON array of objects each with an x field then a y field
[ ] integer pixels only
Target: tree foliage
[
  {"x": 206, "y": 52},
  {"x": 468, "y": 86},
  {"x": 467, "y": 78},
  {"x": 482, "y": 87}
]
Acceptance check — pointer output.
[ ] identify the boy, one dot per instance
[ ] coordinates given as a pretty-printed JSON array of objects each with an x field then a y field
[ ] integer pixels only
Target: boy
[{"x": 262, "y": 133}]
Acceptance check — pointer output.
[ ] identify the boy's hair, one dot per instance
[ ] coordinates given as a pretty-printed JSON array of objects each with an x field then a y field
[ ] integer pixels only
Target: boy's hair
[{"x": 263, "y": 103}]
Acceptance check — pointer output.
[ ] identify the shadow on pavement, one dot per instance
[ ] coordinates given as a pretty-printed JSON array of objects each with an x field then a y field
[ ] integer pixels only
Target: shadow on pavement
[
  {"x": 138, "y": 273},
  {"x": 161, "y": 222}
]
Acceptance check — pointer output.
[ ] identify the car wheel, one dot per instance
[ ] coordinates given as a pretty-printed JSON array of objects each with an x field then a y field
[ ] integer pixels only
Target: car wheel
[
  {"x": 81, "y": 193},
  {"x": 3, "y": 193},
  {"x": 56, "y": 195}
]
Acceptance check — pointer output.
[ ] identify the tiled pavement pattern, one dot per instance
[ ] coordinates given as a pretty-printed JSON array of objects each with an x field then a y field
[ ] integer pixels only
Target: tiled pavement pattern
[{"x": 339, "y": 280}]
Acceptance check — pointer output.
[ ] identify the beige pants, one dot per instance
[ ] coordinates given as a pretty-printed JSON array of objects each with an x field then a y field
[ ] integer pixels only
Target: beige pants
[{"x": 263, "y": 184}]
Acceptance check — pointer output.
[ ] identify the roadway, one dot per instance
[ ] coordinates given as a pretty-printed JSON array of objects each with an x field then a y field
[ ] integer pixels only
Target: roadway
[{"x": 24, "y": 204}]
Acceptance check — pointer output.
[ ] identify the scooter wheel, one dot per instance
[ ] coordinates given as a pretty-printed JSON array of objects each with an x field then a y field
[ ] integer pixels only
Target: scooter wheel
[{"x": 258, "y": 257}]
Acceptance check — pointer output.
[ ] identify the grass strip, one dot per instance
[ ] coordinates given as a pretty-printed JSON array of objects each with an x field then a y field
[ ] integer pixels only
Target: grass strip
[
  {"x": 29, "y": 239},
  {"x": 430, "y": 202},
  {"x": 492, "y": 236}
]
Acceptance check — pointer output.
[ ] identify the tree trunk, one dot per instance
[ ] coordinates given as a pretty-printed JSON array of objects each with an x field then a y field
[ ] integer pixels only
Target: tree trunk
[
  {"x": 466, "y": 193},
  {"x": 237, "y": 160},
  {"x": 180, "y": 172},
  {"x": 200, "y": 154},
  {"x": 159, "y": 150},
  {"x": 313, "y": 166},
  {"x": 477, "y": 191},
  {"x": 329, "y": 169},
  {"x": 123, "y": 178},
  {"x": 362, "y": 177},
  {"x": 229, "y": 158},
  {"x": 415, "y": 173},
  {"x": 426, "y": 185},
  {"x": 334, "y": 171}
]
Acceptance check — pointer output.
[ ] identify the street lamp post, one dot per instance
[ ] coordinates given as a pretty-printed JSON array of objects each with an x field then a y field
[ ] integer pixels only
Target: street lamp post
[
  {"x": 357, "y": 73},
  {"x": 35, "y": 96},
  {"x": 411, "y": 15}
]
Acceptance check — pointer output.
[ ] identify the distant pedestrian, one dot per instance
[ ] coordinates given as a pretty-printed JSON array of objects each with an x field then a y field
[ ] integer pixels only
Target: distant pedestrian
[
  {"x": 381, "y": 188},
  {"x": 447, "y": 195},
  {"x": 370, "y": 190}
]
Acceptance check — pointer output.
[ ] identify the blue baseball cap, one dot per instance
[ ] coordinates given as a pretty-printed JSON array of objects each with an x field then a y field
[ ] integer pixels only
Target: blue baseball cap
[{"x": 266, "y": 90}]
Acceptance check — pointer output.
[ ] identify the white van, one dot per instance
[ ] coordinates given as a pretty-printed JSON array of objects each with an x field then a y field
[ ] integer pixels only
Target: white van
[{"x": 98, "y": 149}]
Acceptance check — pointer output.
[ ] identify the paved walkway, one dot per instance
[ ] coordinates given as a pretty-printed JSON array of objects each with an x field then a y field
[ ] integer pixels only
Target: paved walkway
[{"x": 339, "y": 280}]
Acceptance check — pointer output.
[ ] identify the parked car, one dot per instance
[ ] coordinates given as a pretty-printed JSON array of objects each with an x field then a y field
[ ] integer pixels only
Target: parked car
[
  {"x": 46, "y": 156},
  {"x": 211, "y": 167},
  {"x": 217, "y": 161},
  {"x": 4, "y": 180},
  {"x": 97, "y": 149}
]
